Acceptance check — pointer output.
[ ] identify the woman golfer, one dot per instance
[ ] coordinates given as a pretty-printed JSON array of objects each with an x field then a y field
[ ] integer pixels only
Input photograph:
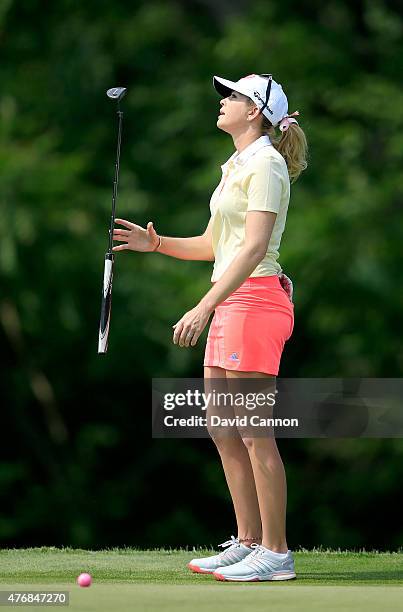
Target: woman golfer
[{"x": 253, "y": 311}]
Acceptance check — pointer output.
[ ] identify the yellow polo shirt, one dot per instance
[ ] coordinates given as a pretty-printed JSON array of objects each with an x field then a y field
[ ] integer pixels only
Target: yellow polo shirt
[{"x": 255, "y": 179}]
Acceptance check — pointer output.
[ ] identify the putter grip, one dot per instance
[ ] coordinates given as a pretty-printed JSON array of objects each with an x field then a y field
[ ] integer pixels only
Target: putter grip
[{"x": 106, "y": 304}]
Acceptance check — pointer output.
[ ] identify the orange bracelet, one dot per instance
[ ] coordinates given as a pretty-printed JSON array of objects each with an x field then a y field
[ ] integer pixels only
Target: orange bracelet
[{"x": 158, "y": 245}]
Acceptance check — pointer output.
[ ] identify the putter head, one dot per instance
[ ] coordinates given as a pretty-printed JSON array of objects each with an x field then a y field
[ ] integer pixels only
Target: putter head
[{"x": 116, "y": 93}]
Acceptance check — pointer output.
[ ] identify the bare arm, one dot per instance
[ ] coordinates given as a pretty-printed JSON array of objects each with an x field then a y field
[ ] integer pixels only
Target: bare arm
[
  {"x": 197, "y": 248},
  {"x": 258, "y": 230}
]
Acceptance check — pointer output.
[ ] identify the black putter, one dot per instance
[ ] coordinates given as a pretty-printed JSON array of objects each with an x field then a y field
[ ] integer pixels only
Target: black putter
[{"x": 116, "y": 93}]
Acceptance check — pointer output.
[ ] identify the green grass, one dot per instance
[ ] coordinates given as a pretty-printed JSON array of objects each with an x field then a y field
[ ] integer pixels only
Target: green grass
[{"x": 130, "y": 579}]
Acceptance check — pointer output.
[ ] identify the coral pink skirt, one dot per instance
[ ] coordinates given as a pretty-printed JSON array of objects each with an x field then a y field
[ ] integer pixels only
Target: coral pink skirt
[{"x": 249, "y": 328}]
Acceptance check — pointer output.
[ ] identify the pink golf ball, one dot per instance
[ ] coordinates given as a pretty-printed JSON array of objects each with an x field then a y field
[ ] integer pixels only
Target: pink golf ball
[{"x": 84, "y": 580}]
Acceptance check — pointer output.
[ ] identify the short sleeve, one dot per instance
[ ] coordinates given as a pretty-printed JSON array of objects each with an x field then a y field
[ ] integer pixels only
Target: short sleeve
[{"x": 265, "y": 187}]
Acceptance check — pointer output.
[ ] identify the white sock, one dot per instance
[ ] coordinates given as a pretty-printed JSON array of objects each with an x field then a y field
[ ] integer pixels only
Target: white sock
[{"x": 276, "y": 554}]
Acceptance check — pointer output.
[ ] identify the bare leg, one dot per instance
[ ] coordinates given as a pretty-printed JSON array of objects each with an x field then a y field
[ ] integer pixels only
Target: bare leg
[
  {"x": 269, "y": 476},
  {"x": 239, "y": 475}
]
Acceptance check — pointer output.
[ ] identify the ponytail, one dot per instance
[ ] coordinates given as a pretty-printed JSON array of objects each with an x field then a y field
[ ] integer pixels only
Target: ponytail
[{"x": 291, "y": 144}]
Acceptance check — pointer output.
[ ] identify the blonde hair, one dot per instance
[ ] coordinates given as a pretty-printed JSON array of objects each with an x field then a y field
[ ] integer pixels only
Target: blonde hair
[{"x": 291, "y": 143}]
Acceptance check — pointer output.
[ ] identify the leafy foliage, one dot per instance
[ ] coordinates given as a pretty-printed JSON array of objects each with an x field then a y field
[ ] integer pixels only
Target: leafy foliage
[{"x": 77, "y": 461}]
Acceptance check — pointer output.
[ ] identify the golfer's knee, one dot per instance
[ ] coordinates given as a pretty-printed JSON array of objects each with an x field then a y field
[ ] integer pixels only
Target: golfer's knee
[
  {"x": 248, "y": 442},
  {"x": 260, "y": 446},
  {"x": 225, "y": 442}
]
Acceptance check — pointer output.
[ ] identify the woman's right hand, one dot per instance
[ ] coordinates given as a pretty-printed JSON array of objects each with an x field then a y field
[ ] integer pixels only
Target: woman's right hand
[{"x": 136, "y": 238}]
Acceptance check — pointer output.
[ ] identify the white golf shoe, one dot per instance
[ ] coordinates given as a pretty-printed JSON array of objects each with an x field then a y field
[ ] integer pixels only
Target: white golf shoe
[
  {"x": 260, "y": 564},
  {"x": 235, "y": 551}
]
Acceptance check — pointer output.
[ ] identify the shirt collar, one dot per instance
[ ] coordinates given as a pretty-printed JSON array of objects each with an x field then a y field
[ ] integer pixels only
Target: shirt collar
[{"x": 241, "y": 158}]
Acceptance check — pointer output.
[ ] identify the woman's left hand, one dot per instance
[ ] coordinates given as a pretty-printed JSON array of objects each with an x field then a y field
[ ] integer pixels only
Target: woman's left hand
[{"x": 188, "y": 329}]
